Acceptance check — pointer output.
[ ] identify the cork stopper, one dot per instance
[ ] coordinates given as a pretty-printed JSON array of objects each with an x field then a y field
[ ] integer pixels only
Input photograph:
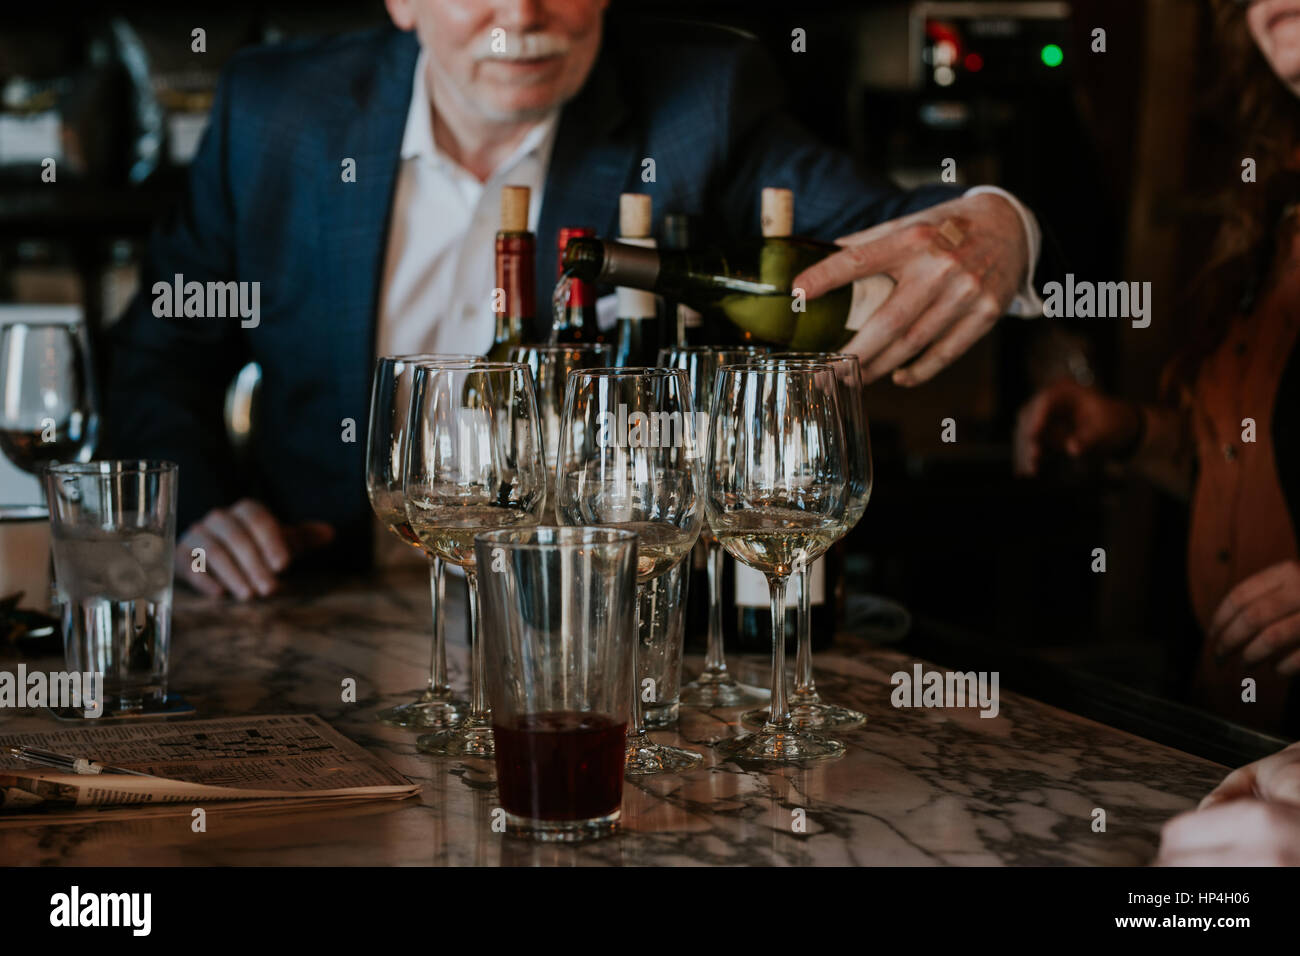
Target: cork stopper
[
  {"x": 514, "y": 208},
  {"x": 778, "y": 212},
  {"x": 634, "y": 216}
]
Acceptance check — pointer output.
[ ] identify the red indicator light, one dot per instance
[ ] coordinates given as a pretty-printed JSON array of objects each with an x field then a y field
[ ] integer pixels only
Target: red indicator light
[{"x": 974, "y": 62}]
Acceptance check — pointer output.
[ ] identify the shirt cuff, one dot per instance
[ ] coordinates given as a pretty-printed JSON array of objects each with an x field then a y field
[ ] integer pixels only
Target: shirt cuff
[{"x": 1026, "y": 304}]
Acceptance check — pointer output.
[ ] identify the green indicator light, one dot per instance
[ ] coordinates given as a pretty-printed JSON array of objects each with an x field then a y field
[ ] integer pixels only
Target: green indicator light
[{"x": 1052, "y": 55}]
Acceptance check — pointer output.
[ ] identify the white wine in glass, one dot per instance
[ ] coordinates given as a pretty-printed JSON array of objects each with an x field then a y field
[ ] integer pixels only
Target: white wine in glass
[
  {"x": 807, "y": 710},
  {"x": 776, "y": 489},
  {"x": 474, "y": 462},
  {"x": 436, "y": 707}
]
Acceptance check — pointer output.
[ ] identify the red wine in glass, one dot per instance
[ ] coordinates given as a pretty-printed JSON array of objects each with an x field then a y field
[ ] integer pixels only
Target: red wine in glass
[
  {"x": 48, "y": 412},
  {"x": 560, "y": 765},
  {"x": 30, "y": 449}
]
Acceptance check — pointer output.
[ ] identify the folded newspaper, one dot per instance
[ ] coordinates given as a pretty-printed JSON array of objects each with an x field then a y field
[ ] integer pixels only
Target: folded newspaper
[{"x": 275, "y": 760}]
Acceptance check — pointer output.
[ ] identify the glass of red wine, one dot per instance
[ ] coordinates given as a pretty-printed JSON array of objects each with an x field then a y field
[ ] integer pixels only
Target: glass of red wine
[
  {"x": 559, "y": 610},
  {"x": 48, "y": 407}
]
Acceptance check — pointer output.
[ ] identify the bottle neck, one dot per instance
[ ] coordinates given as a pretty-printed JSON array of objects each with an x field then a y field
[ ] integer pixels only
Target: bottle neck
[{"x": 612, "y": 263}]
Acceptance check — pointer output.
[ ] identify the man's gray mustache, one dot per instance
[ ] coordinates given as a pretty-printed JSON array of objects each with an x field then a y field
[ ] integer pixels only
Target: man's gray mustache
[{"x": 505, "y": 45}]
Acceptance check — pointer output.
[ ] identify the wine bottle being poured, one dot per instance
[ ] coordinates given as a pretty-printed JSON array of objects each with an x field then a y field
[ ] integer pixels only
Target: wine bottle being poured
[{"x": 749, "y": 287}]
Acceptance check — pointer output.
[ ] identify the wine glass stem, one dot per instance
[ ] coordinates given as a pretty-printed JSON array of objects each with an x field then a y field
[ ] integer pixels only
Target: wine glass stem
[
  {"x": 638, "y": 712},
  {"x": 715, "y": 661},
  {"x": 803, "y": 684},
  {"x": 779, "y": 715},
  {"x": 438, "y": 685},
  {"x": 478, "y": 687},
  {"x": 52, "y": 602}
]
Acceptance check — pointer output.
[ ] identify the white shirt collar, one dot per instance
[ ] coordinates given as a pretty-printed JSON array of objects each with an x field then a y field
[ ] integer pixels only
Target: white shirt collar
[{"x": 418, "y": 141}]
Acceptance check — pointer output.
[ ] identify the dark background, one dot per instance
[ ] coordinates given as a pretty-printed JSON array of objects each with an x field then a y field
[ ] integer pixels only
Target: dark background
[{"x": 1116, "y": 152}]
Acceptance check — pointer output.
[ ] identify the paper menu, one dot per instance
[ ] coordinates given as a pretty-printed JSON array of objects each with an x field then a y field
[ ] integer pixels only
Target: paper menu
[{"x": 232, "y": 758}]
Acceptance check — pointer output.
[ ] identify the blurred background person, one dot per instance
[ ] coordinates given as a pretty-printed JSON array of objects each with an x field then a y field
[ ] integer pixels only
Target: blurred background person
[{"x": 1228, "y": 438}]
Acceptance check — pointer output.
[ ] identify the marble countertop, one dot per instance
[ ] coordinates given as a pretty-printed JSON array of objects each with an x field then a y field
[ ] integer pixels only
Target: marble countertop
[{"x": 919, "y": 786}]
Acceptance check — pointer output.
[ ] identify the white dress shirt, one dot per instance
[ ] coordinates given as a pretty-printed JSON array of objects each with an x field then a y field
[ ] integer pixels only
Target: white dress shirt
[{"x": 439, "y": 270}]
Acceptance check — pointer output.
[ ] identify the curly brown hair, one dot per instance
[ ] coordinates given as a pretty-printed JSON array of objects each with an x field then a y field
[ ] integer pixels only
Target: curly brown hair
[{"x": 1265, "y": 126}]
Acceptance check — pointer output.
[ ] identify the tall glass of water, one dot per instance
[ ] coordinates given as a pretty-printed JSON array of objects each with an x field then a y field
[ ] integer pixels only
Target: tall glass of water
[{"x": 113, "y": 531}]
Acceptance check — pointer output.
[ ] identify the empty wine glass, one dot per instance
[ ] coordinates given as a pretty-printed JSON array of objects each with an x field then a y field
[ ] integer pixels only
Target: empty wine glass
[
  {"x": 776, "y": 488},
  {"x": 629, "y": 458},
  {"x": 807, "y": 710},
  {"x": 716, "y": 686},
  {"x": 390, "y": 403},
  {"x": 474, "y": 462}
]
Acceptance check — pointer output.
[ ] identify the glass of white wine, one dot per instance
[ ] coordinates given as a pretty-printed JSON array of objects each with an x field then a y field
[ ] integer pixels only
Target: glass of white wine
[
  {"x": 807, "y": 709},
  {"x": 775, "y": 492},
  {"x": 390, "y": 403},
  {"x": 629, "y": 458},
  {"x": 474, "y": 462}
]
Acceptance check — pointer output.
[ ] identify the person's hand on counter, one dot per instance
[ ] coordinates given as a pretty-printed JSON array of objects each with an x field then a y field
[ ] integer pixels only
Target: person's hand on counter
[
  {"x": 957, "y": 267},
  {"x": 1275, "y": 778},
  {"x": 1242, "y": 832},
  {"x": 1260, "y": 619},
  {"x": 245, "y": 548},
  {"x": 1252, "y": 818},
  {"x": 1077, "y": 420}
]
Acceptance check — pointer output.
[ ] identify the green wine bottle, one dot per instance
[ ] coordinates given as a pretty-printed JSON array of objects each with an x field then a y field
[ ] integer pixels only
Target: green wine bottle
[{"x": 748, "y": 286}]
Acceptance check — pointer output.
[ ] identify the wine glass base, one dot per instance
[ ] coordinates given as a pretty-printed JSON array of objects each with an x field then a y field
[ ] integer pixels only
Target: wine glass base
[
  {"x": 646, "y": 757},
  {"x": 712, "y": 689},
  {"x": 426, "y": 713},
  {"x": 809, "y": 717},
  {"x": 465, "y": 742},
  {"x": 778, "y": 748}
]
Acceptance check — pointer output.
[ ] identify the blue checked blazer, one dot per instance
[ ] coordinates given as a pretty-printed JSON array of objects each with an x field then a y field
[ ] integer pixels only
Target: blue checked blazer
[{"x": 266, "y": 202}]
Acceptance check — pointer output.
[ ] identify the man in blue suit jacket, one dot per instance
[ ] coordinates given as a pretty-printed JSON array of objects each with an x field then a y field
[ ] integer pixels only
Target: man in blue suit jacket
[{"x": 294, "y": 189}]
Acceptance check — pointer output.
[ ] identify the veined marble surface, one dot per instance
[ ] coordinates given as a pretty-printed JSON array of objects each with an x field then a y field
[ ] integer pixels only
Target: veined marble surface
[{"x": 923, "y": 786}]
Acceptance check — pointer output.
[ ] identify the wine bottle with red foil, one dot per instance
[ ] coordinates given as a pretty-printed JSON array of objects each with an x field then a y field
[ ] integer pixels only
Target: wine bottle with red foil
[
  {"x": 575, "y": 316},
  {"x": 514, "y": 298},
  {"x": 638, "y": 309}
]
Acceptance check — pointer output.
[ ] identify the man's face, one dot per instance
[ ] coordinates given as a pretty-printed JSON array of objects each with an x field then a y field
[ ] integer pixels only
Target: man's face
[
  {"x": 507, "y": 60},
  {"x": 1275, "y": 25}
]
